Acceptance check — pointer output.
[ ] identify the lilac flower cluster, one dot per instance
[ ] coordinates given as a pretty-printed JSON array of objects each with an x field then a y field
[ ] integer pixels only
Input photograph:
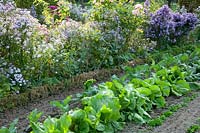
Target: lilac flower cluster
[
  {"x": 17, "y": 24},
  {"x": 6, "y": 7},
  {"x": 147, "y": 7},
  {"x": 170, "y": 27}
]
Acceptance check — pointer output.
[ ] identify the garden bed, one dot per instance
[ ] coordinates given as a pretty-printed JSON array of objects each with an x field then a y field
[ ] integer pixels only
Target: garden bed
[
  {"x": 38, "y": 93},
  {"x": 19, "y": 106},
  {"x": 179, "y": 122}
]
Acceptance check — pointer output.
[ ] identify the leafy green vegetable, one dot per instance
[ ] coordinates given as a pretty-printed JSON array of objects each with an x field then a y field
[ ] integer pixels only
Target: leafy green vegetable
[
  {"x": 102, "y": 108},
  {"x": 80, "y": 122},
  {"x": 63, "y": 105}
]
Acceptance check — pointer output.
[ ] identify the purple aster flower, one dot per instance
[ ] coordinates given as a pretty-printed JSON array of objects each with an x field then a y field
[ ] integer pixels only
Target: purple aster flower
[
  {"x": 169, "y": 26},
  {"x": 147, "y": 3}
]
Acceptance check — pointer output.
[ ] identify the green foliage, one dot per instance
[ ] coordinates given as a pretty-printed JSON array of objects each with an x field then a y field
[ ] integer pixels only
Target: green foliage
[
  {"x": 53, "y": 125},
  {"x": 63, "y": 105},
  {"x": 106, "y": 106},
  {"x": 52, "y": 17},
  {"x": 195, "y": 34},
  {"x": 50, "y": 125},
  {"x": 34, "y": 115},
  {"x": 156, "y": 122},
  {"x": 170, "y": 110},
  {"x": 29, "y": 3},
  {"x": 100, "y": 113},
  {"x": 193, "y": 129},
  {"x": 5, "y": 86},
  {"x": 89, "y": 88},
  {"x": 24, "y": 3},
  {"x": 190, "y": 4},
  {"x": 139, "y": 71},
  {"x": 60, "y": 47},
  {"x": 103, "y": 109},
  {"x": 117, "y": 25},
  {"x": 156, "y": 4},
  {"x": 39, "y": 5},
  {"x": 11, "y": 129},
  {"x": 80, "y": 122},
  {"x": 50, "y": 81},
  {"x": 102, "y": 42}
]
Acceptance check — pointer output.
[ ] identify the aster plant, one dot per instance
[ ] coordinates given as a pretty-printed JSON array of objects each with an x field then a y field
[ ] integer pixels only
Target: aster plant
[{"x": 168, "y": 28}]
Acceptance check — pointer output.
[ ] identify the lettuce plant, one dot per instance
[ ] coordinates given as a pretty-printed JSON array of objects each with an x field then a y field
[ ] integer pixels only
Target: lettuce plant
[{"x": 103, "y": 110}]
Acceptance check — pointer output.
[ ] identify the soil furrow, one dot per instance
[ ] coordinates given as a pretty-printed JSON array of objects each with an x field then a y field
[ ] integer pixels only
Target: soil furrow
[{"x": 180, "y": 121}]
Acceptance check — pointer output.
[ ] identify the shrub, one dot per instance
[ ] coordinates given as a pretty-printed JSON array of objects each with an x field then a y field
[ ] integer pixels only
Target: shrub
[
  {"x": 118, "y": 21},
  {"x": 24, "y": 4},
  {"x": 195, "y": 35},
  {"x": 11, "y": 79},
  {"x": 24, "y": 42},
  {"x": 168, "y": 27}
]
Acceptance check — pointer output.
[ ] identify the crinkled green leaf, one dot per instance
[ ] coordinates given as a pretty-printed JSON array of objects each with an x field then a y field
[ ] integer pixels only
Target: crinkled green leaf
[
  {"x": 194, "y": 85},
  {"x": 144, "y": 91},
  {"x": 50, "y": 125},
  {"x": 5, "y": 130},
  {"x": 100, "y": 127},
  {"x": 155, "y": 90},
  {"x": 89, "y": 83},
  {"x": 160, "y": 101},
  {"x": 139, "y": 118},
  {"x": 117, "y": 84},
  {"x": 165, "y": 87},
  {"x": 143, "y": 112},
  {"x": 118, "y": 125},
  {"x": 65, "y": 122},
  {"x": 34, "y": 115}
]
